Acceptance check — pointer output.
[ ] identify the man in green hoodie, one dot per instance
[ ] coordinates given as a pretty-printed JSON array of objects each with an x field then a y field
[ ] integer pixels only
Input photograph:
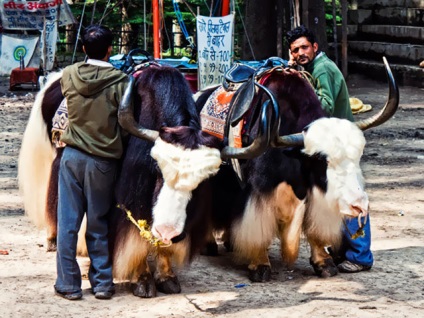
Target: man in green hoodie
[
  {"x": 331, "y": 89},
  {"x": 93, "y": 90}
]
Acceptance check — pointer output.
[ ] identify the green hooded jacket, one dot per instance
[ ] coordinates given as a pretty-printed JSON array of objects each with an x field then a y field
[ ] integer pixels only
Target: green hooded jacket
[
  {"x": 93, "y": 94},
  {"x": 330, "y": 86}
]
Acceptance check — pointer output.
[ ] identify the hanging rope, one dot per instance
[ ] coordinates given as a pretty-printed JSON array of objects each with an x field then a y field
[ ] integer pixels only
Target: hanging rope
[
  {"x": 104, "y": 12},
  {"x": 296, "y": 14},
  {"x": 79, "y": 31},
  {"x": 182, "y": 24}
]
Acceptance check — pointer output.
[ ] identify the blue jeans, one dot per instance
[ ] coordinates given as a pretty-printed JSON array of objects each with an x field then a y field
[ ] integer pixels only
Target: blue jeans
[
  {"x": 85, "y": 186},
  {"x": 358, "y": 251}
]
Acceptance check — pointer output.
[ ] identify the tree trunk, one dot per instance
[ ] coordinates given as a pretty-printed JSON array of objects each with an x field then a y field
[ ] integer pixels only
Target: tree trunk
[
  {"x": 125, "y": 31},
  {"x": 260, "y": 38},
  {"x": 314, "y": 19},
  {"x": 265, "y": 28}
]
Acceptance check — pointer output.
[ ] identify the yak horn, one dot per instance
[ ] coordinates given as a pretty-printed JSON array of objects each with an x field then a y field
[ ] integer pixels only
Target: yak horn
[
  {"x": 126, "y": 116},
  {"x": 260, "y": 143},
  {"x": 294, "y": 140},
  {"x": 391, "y": 105}
]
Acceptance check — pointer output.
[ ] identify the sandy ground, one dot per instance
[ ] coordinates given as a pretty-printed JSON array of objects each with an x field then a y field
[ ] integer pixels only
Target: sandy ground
[{"x": 393, "y": 166}]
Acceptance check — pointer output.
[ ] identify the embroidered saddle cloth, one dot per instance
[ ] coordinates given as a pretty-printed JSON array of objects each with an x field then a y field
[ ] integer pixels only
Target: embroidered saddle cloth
[
  {"x": 214, "y": 115},
  {"x": 60, "y": 123}
]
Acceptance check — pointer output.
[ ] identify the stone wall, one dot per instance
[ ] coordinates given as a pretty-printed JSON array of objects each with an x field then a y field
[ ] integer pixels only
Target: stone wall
[{"x": 391, "y": 28}]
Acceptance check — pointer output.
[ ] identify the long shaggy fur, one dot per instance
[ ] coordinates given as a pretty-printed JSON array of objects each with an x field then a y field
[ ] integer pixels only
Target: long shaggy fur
[
  {"x": 285, "y": 188},
  {"x": 163, "y": 102},
  {"x": 35, "y": 159}
]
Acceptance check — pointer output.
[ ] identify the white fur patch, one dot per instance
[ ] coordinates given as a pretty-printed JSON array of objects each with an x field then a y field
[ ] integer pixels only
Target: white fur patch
[
  {"x": 339, "y": 139},
  {"x": 343, "y": 143},
  {"x": 184, "y": 169},
  {"x": 324, "y": 219},
  {"x": 256, "y": 229},
  {"x": 170, "y": 210}
]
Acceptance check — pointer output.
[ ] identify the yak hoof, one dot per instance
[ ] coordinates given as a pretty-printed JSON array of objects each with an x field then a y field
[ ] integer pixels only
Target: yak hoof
[
  {"x": 51, "y": 245},
  {"x": 211, "y": 249},
  {"x": 145, "y": 287},
  {"x": 170, "y": 285},
  {"x": 329, "y": 269},
  {"x": 260, "y": 274}
]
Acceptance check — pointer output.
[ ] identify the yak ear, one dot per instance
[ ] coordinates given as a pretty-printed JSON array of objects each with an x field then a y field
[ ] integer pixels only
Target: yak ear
[{"x": 210, "y": 141}]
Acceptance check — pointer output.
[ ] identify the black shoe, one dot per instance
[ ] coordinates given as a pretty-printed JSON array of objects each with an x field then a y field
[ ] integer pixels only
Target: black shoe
[
  {"x": 103, "y": 295},
  {"x": 69, "y": 295},
  {"x": 349, "y": 267}
]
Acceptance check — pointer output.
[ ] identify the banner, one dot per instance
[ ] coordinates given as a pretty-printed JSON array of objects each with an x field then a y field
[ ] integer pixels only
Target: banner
[
  {"x": 48, "y": 49},
  {"x": 215, "y": 48},
  {"x": 45, "y": 15},
  {"x": 29, "y": 15},
  {"x": 13, "y": 47}
]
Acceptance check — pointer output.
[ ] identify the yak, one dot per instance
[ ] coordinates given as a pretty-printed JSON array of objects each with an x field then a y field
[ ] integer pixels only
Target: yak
[
  {"x": 305, "y": 178},
  {"x": 151, "y": 189}
]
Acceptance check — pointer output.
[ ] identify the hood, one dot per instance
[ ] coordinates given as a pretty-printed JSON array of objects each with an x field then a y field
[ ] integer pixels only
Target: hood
[{"x": 90, "y": 79}]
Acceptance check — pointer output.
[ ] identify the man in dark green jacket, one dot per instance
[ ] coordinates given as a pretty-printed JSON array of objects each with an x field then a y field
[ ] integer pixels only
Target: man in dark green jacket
[
  {"x": 330, "y": 85},
  {"x": 331, "y": 89},
  {"x": 93, "y": 90}
]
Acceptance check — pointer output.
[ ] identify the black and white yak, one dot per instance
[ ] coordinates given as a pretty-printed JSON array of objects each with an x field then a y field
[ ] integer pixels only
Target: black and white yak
[
  {"x": 307, "y": 180},
  {"x": 164, "y": 106}
]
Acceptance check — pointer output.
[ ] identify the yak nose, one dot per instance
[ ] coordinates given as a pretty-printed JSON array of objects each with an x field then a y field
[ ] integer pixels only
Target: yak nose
[
  {"x": 360, "y": 206},
  {"x": 165, "y": 233}
]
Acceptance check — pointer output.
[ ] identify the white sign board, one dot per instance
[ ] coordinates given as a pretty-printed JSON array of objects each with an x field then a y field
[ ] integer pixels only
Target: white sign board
[
  {"x": 215, "y": 48},
  {"x": 29, "y": 15}
]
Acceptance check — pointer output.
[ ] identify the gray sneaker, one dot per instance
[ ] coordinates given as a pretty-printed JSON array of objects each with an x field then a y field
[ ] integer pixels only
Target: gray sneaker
[{"x": 349, "y": 267}]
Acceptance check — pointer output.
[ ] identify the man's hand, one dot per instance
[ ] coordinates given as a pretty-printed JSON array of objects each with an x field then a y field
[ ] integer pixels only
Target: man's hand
[{"x": 292, "y": 61}]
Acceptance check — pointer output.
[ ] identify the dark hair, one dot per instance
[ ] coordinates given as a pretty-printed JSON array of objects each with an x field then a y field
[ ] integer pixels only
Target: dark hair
[
  {"x": 299, "y": 32},
  {"x": 96, "y": 40}
]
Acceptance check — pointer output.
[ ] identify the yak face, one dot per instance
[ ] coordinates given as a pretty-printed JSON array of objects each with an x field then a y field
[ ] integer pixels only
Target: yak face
[
  {"x": 342, "y": 142},
  {"x": 183, "y": 169}
]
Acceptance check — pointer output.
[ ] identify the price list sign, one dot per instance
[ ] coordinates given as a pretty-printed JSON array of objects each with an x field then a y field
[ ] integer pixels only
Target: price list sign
[{"x": 215, "y": 48}]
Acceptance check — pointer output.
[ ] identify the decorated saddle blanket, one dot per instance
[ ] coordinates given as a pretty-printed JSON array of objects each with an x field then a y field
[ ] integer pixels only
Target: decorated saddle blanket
[
  {"x": 59, "y": 123},
  {"x": 214, "y": 115}
]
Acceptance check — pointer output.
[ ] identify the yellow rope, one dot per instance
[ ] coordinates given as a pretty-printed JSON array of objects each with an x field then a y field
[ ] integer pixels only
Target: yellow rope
[{"x": 144, "y": 228}]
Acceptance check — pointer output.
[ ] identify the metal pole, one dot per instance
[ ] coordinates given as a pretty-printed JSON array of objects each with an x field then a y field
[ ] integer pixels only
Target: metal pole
[
  {"x": 336, "y": 49},
  {"x": 225, "y": 7},
  {"x": 144, "y": 25},
  {"x": 344, "y": 38},
  {"x": 156, "y": 35}
]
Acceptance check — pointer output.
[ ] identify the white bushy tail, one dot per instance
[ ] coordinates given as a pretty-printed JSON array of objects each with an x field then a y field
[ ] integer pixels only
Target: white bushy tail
[{"x": 35, "y": 160}]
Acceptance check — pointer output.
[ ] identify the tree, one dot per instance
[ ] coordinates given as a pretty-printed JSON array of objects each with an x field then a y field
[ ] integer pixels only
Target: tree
[
  {"x": 267, "y": 22},
  {"x": 313, "y": 18}
]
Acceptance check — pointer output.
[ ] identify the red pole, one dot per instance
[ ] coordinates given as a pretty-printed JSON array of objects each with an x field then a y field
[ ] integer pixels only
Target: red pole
[
  {"x": 225, "y": 7},
  {"x": 156, "y": 34}
]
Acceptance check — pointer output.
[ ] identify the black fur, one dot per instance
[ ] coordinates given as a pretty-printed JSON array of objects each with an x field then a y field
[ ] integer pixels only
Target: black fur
[{"x": 299, "y": 106}]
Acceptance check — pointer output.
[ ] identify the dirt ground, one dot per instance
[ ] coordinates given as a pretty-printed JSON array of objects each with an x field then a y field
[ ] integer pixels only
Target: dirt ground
[{"x": 393, "y": 166}]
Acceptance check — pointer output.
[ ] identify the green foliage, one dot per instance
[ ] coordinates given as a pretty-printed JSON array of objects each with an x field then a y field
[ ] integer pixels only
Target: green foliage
[
  {"x": 329, "y": 17},
  {"x": 110, "y": 13}
]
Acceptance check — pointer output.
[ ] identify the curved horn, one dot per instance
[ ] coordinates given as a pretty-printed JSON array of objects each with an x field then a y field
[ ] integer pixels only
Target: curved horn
[
  {"x": 293, "y": 140},
  {"x": 391, "y": 105},
  {"x": 260, "y": 143},
  {"x": 126, "y": 116}
]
